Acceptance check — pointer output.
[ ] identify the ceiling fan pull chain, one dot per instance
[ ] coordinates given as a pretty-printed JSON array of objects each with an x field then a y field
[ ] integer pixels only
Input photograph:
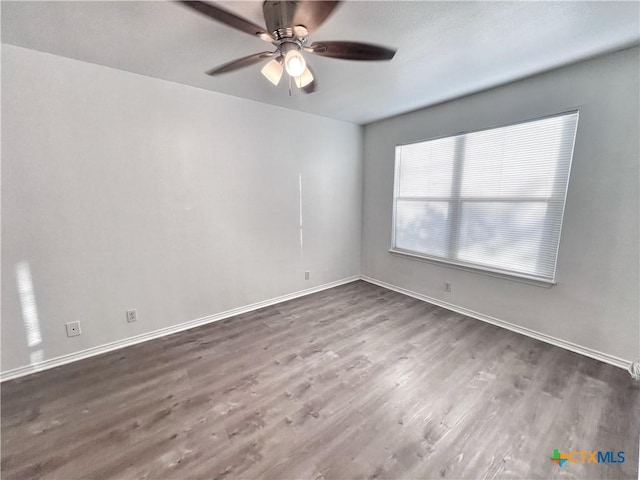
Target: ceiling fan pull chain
[{"x": 289, "y": 85}]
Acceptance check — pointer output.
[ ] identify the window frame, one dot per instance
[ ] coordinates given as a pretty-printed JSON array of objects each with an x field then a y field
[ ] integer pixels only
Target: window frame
[{"x": 457, "y": 180}]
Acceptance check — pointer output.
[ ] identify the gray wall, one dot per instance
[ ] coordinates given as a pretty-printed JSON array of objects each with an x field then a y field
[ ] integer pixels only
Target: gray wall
[
  {"x": 595, "y": 302},
  {"x": 123, "y": 191}
]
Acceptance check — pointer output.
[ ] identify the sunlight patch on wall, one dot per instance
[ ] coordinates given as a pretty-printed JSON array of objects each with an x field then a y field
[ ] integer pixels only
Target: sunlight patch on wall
[{"x": 29, "y": 311}]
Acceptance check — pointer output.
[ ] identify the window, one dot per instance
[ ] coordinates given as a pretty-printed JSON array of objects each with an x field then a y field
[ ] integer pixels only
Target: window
[{"x": 491, "y": 199}]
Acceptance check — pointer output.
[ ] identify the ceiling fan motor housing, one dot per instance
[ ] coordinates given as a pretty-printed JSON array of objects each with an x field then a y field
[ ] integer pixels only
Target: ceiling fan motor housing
[
  {"x": 288, "y": 44},
  {"x": 278, "y": 16}
]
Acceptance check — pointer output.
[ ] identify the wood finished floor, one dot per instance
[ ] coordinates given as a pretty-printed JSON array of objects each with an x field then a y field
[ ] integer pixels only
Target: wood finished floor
[{"x": 353, "y": 382}]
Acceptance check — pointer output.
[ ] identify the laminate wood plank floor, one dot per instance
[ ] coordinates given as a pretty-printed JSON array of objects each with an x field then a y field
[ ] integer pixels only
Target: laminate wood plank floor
[{"x": 353, "y": 382}]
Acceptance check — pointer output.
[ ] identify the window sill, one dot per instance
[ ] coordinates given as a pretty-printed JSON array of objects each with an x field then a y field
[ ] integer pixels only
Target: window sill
[{"x": 473, "y": 269}]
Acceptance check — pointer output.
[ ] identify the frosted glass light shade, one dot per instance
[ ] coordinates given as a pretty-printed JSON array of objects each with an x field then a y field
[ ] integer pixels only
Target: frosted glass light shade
[
  {"x": 304, "y": 79},
  {"x": 294, "y": 63},
  {"x": 273, "y": 71}
]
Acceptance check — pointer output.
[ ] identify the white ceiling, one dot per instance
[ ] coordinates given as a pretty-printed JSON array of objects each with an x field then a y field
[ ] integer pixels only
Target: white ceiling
[{"x": 445, "y": 49}]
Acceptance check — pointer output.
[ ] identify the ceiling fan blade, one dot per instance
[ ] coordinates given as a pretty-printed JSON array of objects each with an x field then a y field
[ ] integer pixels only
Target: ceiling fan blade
[
  {"x": 351, "y": 50},
  {"x": 239, "y": 63},
  {"x": 231, "y": 19},
  {"x": 313, "y": 13}
]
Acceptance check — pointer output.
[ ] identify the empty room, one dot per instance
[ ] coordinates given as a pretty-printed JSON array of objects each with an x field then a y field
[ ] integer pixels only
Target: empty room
[{"x": 320, "y": 240}]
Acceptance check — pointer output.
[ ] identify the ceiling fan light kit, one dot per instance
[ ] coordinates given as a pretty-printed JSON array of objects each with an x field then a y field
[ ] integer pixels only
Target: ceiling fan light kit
[
  {"x": 273, "y": 71},
  {"x": 304, "y": 79},
  {"x": 289, "y": 24},
  {"x": 294, "y": 63}
]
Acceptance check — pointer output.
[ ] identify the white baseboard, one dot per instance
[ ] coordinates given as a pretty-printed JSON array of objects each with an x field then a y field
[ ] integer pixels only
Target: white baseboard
[
  {"x": 108, "y": 347},
  {"x": 588, "y": 352}
]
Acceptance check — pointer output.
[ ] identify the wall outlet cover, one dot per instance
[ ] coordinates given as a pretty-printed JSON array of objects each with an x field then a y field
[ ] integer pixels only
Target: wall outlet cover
[
  {"x": 73, "y": 329},
  {"x": 132, "y": 315}
]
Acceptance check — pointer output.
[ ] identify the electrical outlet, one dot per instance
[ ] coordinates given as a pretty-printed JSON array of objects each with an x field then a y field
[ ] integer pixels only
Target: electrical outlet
[
  {"x": 73, "y": 329},
  {"x": 307, "y": 275},
  {"x": 132, "y": 316},
  {"x": 447, "y": 287}
]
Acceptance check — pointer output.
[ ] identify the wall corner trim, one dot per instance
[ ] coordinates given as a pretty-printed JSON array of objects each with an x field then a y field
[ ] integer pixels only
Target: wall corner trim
[
  {"x": 126, "y": 342},
  {"x": 588, "y": 352}
]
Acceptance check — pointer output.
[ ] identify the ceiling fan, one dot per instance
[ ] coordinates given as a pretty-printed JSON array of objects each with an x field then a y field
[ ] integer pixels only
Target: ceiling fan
[{"x": 289, "y": 23}]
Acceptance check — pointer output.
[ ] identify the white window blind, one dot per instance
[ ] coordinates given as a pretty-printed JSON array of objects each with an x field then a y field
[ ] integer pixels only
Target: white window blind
[{"x": 491, "y": 199}]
